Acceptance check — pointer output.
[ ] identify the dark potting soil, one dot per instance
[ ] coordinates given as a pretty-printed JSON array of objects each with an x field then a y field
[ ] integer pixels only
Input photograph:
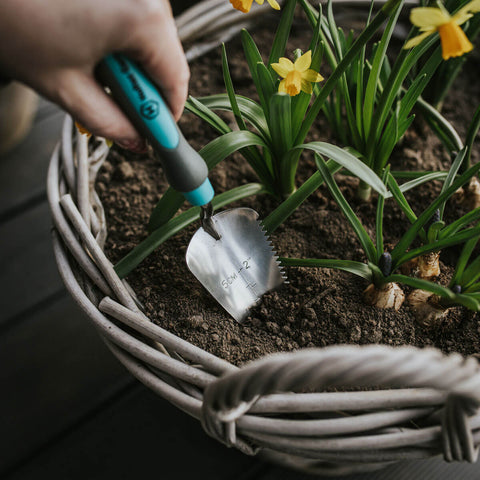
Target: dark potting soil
[{"x": 318, "y": 307}]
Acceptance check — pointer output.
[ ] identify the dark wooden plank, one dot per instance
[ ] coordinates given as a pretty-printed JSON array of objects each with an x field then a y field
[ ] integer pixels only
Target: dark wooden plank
[
  {"x": 54, "y": 370},
  {"x": 432, "y": 469},
  {"x": 23, "y": 170},
  {"x": 141, "y": 436},
  {"x": 28, "y": 274}
]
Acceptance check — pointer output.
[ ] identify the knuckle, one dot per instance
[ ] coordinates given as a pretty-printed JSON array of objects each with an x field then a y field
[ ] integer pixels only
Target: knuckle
[
  {"x": 143, "y": 13},
  {"x": 153, "y": 10}
]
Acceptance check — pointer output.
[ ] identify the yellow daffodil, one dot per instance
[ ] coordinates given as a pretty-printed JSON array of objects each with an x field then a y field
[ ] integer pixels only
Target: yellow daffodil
[
  {"x": 245, "y": 5},
  {"x": 431, "y": 19},
  {"x": 296, "y": 76}
]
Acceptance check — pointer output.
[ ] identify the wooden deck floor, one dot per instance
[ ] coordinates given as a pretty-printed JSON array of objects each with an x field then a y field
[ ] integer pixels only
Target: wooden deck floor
[{"x": 69, "y": 410}]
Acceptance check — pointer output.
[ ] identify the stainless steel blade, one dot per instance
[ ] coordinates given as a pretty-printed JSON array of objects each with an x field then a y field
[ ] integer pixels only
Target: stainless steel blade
[{"x": 240, "y": 267}]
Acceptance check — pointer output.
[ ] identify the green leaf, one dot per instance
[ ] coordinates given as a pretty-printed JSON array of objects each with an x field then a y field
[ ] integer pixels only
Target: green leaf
[
  {"x": 411, "y": 96},
  {"x": 438, "y": 245},
  {"x": 379, "y": 217},
  {"x": 254, "y": 59},
  {"x": 472, "y": 273},
  {"x": 165, "y": 209},
  {"x": 282, "y": 33},
  {"x": 348, "y": 161},
  {"x": 280, "y": 123},
  {"x": 462, "y": 261},
  {"x": 357, "y": 268},
  {"x": 175, "y": 225},
  {"x": 316, "y": 24},
  {"x": 417, "y": 174},
  {"x": 455, "y": 226},
  {"x": 410, "y": 235},
  {"x": 290, "y": 205},
  {"x": 422, "y": 285},
  {"x": 249, "y": 109},
  {"x": 433, "y": 230},
  {"x": 440, "y": 125},
  {"x": 230, "y": 91},
  {"x": 266, "y": 89},
  {"x": 416, "y": 182},
  {"x": 223, "y": 146},
  {"x": 299, "y": 107},
  {"x": 347, "y": 210},
  {"x": 452, "y": 174},
  {"x": 252, "y": 54},
  {"x": 332, "y": 81},
  {"x": 468, "y": 300},
  {"x": 397, "y": 194},
  {"x": 203, "y": 112},
  {"x": 373, "y": 78},
  {"x": 472, "y": 134}
]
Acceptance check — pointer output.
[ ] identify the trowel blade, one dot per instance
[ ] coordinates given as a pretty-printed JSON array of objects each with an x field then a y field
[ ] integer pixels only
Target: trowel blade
[{"x": 240, "y": 267}]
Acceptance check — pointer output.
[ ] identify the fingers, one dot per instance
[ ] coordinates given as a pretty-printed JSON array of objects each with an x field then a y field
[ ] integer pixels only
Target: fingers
[
  {"x": 80, "y": 95},
  {"x": 159, "y": 51}
]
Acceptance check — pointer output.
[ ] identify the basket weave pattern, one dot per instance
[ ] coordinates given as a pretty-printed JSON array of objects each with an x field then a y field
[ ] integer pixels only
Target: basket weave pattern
[{"x": 423, "y": 403}]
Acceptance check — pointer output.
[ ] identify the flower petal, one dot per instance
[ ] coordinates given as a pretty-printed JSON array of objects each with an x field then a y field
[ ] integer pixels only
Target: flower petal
[
  {"x": 82, "y": 129},
  {"x": 312, "y": 76},
  {"x": 413, "y": 42},
  {"x": 293, "y": 83},
  {"x": 242, "y": 5},
  {"x": 454, "y": 41},
  {"x": 306, "y": 87},
  {"x": 260, "y": 2},
  {"x": 274, "y": 4},
  {"x": 428, "y": 18},
  {"x": 303, "y": 63},
  {"x": 283, "y": 67},
  {"x": 282, "y": 88},
  {"x": 466, "y": 12}
]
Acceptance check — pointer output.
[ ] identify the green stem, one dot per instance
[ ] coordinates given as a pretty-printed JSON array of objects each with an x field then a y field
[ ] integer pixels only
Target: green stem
[
  {"x": 471, "y": 134},
  {"x": 284, "y": 210},
  {"x": 364, "y": 191}
]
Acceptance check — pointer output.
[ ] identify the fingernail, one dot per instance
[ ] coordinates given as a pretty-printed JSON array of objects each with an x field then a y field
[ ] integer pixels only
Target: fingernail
[{"x": 136, "y": 146}]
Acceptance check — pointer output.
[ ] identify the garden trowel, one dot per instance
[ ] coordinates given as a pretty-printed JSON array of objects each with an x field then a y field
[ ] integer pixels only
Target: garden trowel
[{"x": 230, "y": 254}]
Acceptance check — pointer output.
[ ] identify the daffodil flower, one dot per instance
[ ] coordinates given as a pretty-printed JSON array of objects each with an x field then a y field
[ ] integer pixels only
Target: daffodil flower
[
  {"x": 296, "y": 76},
  {"x": 431, "y": 19},
  {"x": 245, "y": 5}
]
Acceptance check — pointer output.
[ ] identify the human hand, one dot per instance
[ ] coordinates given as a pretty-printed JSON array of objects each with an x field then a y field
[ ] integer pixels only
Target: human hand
[{"x": 54, "y": 45}]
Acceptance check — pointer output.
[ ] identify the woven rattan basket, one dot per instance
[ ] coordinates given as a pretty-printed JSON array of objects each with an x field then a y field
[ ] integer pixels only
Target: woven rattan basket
[{"x": 278, "y": 406}]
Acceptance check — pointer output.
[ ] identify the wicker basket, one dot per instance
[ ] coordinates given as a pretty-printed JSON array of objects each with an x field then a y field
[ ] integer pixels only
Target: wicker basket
[{"x": 263, "y": 408}]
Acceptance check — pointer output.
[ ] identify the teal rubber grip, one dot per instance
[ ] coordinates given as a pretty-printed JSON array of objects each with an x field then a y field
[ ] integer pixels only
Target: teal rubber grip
[{"x": 141, "y": 101}]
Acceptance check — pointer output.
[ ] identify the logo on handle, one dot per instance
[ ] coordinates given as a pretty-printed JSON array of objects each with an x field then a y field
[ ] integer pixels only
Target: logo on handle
[{"x": 150, "y": 109}]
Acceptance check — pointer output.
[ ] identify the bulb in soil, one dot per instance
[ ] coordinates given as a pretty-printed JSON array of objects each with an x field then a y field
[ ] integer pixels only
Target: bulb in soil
[
  {"x": 426, "y": 308},
  {"x": 470, "y": 195},
  {"x": 428, "y": 265},
  {"x": 389, "y": 295}
]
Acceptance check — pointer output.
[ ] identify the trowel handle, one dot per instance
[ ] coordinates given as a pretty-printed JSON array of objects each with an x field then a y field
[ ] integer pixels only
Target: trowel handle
[{"x": 141, "y": 101}]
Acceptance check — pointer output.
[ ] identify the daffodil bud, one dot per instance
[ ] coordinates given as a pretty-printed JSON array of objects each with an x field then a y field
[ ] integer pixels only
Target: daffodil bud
[
  {"x": 385, "y": 264},
  {"x": 436, "y": 216},
  {"x": 456, "y": 289},
  {"x": 297, "y": 53}
]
